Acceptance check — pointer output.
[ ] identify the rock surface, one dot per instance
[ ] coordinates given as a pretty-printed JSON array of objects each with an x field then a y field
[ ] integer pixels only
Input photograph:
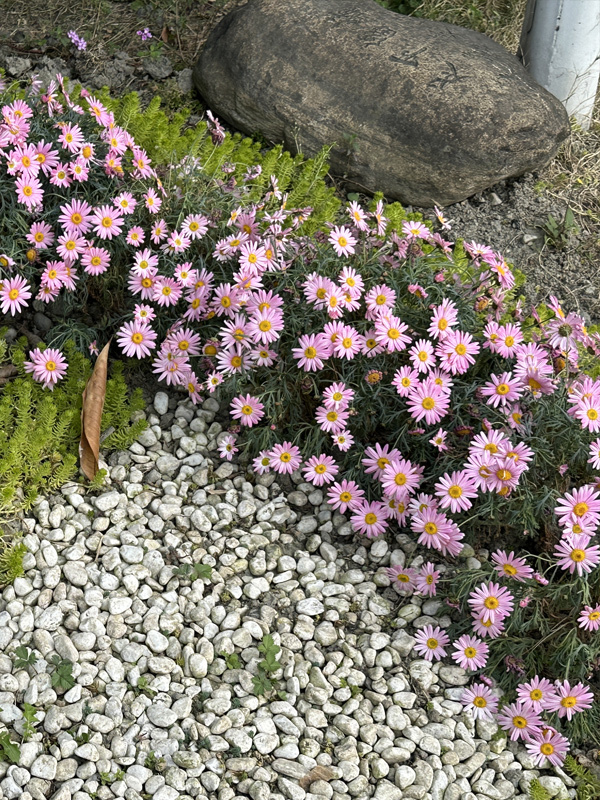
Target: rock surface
[{"x": 426, "y": 112}]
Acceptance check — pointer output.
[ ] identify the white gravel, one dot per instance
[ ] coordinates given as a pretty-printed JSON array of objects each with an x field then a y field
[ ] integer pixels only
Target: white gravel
[{"x": 356, "y": 715}]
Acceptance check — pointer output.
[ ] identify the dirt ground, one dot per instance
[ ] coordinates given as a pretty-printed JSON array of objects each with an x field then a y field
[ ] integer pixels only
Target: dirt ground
[{"x": 509, "y": 217}]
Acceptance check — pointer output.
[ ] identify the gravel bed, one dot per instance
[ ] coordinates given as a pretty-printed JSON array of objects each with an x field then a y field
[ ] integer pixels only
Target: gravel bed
[{"x": 357, "y": 714}]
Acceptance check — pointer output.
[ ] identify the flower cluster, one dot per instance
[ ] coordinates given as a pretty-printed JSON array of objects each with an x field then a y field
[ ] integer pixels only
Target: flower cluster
[
  {"x": 523, "y": 719},
  {"x": 77, "y": 40}
]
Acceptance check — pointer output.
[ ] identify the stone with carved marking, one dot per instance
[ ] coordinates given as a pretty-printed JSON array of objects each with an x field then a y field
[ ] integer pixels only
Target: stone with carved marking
[{"x": 428, "y": 113}]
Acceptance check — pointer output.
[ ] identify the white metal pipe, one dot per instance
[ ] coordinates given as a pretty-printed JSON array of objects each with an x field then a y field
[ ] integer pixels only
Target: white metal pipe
[{"x": 560, "y": 46}]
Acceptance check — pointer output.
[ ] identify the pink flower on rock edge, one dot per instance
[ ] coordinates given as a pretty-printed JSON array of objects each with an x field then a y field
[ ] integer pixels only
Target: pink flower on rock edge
[
  {"x": 550, "y": 745},
  {"x": 430, "y": 643},
  {"x": 480, "y": 700},
  {"x": 521, "y": 720},
  {"x": 320, "y": 469},
  {"x": 568, "y": 700},
  {"x": 470, "y": 652},
  {"x": 370, "y": 519},
  {"x": 285, "y": 458},
  {"x": 493, "y": 601},
  {"x": 14, "y": 294}
]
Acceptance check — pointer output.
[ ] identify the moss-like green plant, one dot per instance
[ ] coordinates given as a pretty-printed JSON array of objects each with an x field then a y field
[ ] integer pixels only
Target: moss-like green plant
[
  {"x": 588, "y": 784},
  {"x": 11, "y": 559},
  {"x": 537, "y": 792},
  {"x": 40, "y": 430},
  {"x": 169, "y": 139}
]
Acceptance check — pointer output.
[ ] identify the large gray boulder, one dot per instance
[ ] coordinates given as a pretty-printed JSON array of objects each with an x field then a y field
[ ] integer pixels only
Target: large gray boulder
[{"x": 426, "y": 112}]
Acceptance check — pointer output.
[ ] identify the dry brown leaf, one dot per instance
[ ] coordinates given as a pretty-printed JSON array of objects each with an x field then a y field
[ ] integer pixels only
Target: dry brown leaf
[
  {"x": 91, "y": 416},
  {"x": 318, "y": 773}
]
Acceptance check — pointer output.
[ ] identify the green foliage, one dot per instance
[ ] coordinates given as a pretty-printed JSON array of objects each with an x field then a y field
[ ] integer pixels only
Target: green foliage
[
  {"x": 232, "y": 660},
  {"x": 154, "y": 762},
  {"x": 62, "y": 673},
  {"x": 107, "y": 778},
  {"x": 170, "y": 139},
  {"x": 9, "y": 751},
  {"x": 31, "y": 720},
  {"x": 537, "y": 792},
  {"x": 558, "y": 232},
  {"x": 262, "y": 681},
  {"x": 11, "y": 560},
  {"x": 40, "y": 432},
  {"x": 193, "y": 572},
  {"x": 588, "y": 784},
  {"x": 23, "y": 657},
  {"x": 142, "y": 687}
]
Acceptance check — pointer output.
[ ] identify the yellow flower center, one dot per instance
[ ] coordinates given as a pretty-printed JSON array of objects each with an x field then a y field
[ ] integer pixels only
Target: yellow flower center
[
  {"x": 332, "y": 416},
  {"x": 285, "y": 457},
  {"x": 371, "y": 518},
  {"x": 580, "y": 509},
  {"x": 310, "y": 352},
  {"x": 347, "y": 342},
  {"x": 503, "y": 475},
  {"x": 431, "y": 528},
  {"x": 400, "y": 479},
  {"x": 423, "y": 355},
  {"x": 380, "y": 300},
  {"x": 70, "y": 245},
  {"x": 264, "y": 325},
  {"x": 345, "y": 497},
  {"x": 546, "y": 749},
  {"x": 455, "y": 491},
  {"x": 50, "y": 366},
  {"x": 166, "y": 290},
  {"x": 442, "y": 324},
  {"x": 147, "y": 282},
  {"x": 592, "y": 413},
  {"x": 577, "y": 555},
  {"x": 470, "y": 652},
  {"x": 183, "y": 345},
  {"x": 491, "y": 447},
  {"x": 432, "y": 643},
  {"x": 535, "y": 694},
  {"x": 320, "y": 469},
  {"x": 393, "y": 333},
  {"x": 27, "y": 191},
  {"x": 428, "y": 403},
  {"x": 225, "y": 302},
  {"x": 107, "y": 222},
  {"x": 460, "y": 349},
  {"x": 519, "y": 722},
  {"x": 568, "y": 702},
  {"x": 247, "y": 410},
  {"x": 342, "y": 241},
  {"x": 491, "y": 603},
  {"x": 480, "y": 702},
  {"x": 509, "y": 341},
  {"x": 137, "y": 338},
  {"x": 236, "y": 361},
  {"x": 13, "y": 294},
  {"x": 509, "y": 569},
  {"x": 382, "y": 462},
  {"x": 502, "y": 388}
]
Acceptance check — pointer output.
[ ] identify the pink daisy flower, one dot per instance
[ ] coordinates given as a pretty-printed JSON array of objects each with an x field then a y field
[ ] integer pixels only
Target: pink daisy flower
[
  {"x": 350, "y": 280},
  {"x": 177, "y": 242},
  {"x": 415, "y": 230},
  {"x": 418, "y": 290},
  {"x": 587, "y": 411},
  {"x": 330, "y": 420},
  {"x": 548, "y": 745},
  {"x": 342, "y": 240},
  {"x": 108, "y": 222},
  {"x": 312, "y": 351},
  {"x": 337, "y": 396},
  {"x": 457, "y": 352},
  {"x": 520, "y": 720},
  {"x": 53, "y": 274},
  {"x": 492, "y": 600},
  {"x": 135, "y": 236},
  {"x": 536, "y": 692},
  {"x": 583, "y": 503},
  {"x": 144, "y": 313},
  {"x": 399, "y": 478},
  {"x": 358, "y": 216},
  {"x": 343, "y": 440},
  {"x": 262, "y": 463},
  {"x": 167, "y": 291},
  {"x": 455, "y": 491},
  {"x": 480, "y": 700},
  {"x": 444, "y": 317},
  {"x": 508, "y": 338},
  {"x": 345, "y": 494},
  {"x": 320, "y": 469},
  {"x": 76, "y": 216},
  {"x": 589, "y": 619},
  {"x": 568, "y": 700},
  {"x": 509, "y": 566},
  {"x": 249, "y": 410},
  {"x": 29, "y": 191},
  {"x": 426, "y": 581},
  {"x": 422, "y": 355},
  {"x": 439, "y": 440},
  {"x": 403, "y": 578},
  {"x": 195, "y": 226},
  {"x": 470, "y": 652},
  {"x": 136, "y": 339},
  {"x": 183, "y": 341},
  {"x": 70, "y": 246},
  {"x": 48, "y": 366},
  {"x": 427, "y": 401},
  {"x": 594, "y": 452},
  {"x": 125, "y": 202},
  {"x": 227, "y": 448},
  {"x": 14, "y": 294},
  {"x": 377, "y": 458},
  {"x": 380, "y": 300},
  {"x": 433, "y": 528},
  {"x": 152, "y": 201},
  {"x": 348, "y": 343},
  {"x": 41, "y": 236},
  {"x": 285, "y": 458},
  {"x": 430, "y": 643},
  {"x": 390, "y": 333},
  {"x": 487, "y": 627},
  {"x": 573, "y": 553},
  {"x": 502, "y": 389},
  {"x": 369, "y": 519},
  {"x": 59, "y": 176},
  {"x": 171, "y": 367},
  {"x": 159, "y": 231},
  {"x": 405, "y": 379},
  {"x": 266, "y": 325},
  {"x": 95, "y": 260}
]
